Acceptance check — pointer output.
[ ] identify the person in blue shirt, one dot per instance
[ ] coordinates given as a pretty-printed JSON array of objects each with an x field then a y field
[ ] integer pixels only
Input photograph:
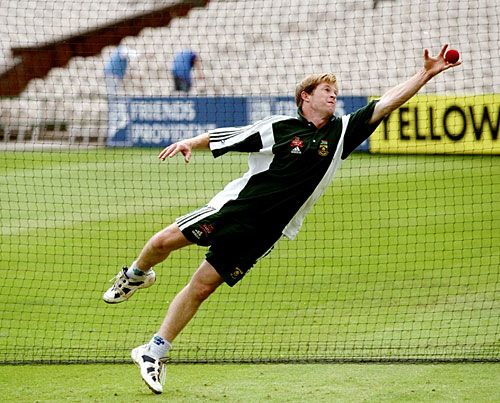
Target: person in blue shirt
[
  {"x": 182, "y": 66},
  {"x": 116, "y": 68},
  {"x": 115, "y": 71}
]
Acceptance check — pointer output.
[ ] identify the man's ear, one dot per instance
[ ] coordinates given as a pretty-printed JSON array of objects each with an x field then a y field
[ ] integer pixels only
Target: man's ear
[{"x": 304, "y": 96}]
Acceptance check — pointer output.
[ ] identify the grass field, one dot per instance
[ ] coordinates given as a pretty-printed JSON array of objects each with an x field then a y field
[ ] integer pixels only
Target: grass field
[
  {"x": 399, "y": 260},
  {"x": 475, "y": 383}
]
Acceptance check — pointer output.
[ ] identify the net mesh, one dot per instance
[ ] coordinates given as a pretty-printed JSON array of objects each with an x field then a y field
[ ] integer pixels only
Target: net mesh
[{"x": 399, "y": 260}]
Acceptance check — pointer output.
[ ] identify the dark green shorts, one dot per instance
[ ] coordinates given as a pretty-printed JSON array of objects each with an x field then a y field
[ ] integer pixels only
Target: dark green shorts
[{"x": 233, "y": 247}]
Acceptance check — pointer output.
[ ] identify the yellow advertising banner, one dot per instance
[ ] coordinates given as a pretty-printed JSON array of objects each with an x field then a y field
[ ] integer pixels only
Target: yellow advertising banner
[{"x": 441, "y": 124}]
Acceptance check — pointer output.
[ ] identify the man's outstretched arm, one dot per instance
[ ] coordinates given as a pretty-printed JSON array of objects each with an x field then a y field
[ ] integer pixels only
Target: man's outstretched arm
[
  {"x": 185, "y": 147},
  {"x": 398, "y": 95}
]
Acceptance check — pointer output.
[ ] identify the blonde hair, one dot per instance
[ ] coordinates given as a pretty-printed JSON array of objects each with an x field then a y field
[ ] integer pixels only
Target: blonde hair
[{"x": 309, "y": 84}]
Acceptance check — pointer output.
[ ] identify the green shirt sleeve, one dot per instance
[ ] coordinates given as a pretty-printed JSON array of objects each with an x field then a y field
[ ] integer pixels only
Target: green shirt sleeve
[{"x": 358, "y": 128}]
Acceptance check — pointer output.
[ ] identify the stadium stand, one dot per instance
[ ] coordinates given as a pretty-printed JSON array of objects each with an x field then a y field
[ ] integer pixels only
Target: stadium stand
[{"x": 250, "y": 48}]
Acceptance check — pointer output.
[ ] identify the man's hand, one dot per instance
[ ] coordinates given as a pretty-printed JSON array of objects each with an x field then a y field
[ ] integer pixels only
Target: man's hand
[
  {"x": 182, "y": 146},
  {"x": 185, "y": 147},
  {"x": 435, "y": 65}
]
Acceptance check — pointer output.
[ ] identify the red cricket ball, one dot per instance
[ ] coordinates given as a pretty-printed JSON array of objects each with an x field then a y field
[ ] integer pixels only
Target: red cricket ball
[{"x": 452, "y": 56}]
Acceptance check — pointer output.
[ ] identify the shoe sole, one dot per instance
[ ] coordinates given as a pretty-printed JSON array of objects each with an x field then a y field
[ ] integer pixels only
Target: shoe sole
[
  {"x": 156, "y": 392},
  {"x": 113, "y": 302}
]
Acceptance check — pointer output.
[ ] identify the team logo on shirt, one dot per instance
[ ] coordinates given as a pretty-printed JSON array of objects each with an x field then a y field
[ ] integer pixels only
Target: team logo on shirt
[
  {"x": 297, "y": 142},
  {"x": 323, "y": 148},
  {"x": 296, "y": 145}
]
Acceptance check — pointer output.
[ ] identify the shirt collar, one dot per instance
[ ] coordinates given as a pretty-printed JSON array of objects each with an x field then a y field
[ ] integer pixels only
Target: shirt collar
[
  {"x": 302, "y": 118},
  {"x": 301, "y": 115}
]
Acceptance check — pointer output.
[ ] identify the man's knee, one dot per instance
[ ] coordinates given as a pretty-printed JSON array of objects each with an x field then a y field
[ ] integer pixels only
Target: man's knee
[
  {"x": 169, "y": 239},
  {"x": 201, "y": 291},
  {"x": 205, "y": 281}
]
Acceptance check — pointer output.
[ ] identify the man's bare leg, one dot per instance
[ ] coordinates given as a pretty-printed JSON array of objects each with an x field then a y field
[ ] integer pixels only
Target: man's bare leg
[
  {"x": 160, "y": 245},
  {"x": 186, "y": 303},
  {"x": 149, "y": 357}
]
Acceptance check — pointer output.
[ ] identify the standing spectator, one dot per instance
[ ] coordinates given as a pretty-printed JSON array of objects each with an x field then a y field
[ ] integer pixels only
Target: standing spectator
[
  {"x": 115, "y": 71},
  {"x": 116, "y": 68},
  {"x": 182, "y": 66}
]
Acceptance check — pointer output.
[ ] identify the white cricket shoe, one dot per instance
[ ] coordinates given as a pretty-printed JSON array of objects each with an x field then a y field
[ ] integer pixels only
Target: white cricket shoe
[
  {"x": 124, "y": 287},
  {"x": 153, "y": 370}
]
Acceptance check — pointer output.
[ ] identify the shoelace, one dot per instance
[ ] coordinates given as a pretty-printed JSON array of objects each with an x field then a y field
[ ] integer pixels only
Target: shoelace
[
  {"x": 120, "y": 278},
  {"x": 119, "y": 275}
]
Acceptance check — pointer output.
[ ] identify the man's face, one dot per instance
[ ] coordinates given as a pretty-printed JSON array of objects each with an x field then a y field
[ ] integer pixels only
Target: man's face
[{"x": 323, "y": 99}]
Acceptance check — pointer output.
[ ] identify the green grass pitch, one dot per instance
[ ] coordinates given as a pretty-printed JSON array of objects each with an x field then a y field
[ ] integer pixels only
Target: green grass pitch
[
  {"x": 278, "y": 383},
  {"x": 399, "y": 260}
]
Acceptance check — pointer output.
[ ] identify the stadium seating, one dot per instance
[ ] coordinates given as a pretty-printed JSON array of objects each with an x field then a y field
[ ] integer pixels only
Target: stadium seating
[{"x": 250, "y": 47}]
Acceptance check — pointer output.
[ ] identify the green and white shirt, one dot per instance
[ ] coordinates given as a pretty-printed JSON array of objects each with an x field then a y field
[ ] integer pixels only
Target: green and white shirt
[{"x": 291, "y": 163}]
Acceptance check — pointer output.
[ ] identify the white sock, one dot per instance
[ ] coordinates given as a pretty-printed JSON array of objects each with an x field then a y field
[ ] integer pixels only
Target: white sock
[
  {"x": 158, "y": 346},
  {"x": 134, "y": 272}
]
